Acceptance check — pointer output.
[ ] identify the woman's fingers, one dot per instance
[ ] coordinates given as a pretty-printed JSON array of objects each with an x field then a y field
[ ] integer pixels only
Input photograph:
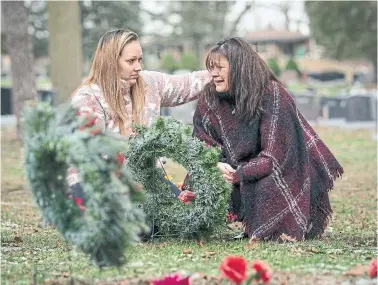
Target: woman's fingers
[
  {"x": 225, "y": 168},
  {"x": 228, "y": 178},
  {"x": 229, "y": 168}
]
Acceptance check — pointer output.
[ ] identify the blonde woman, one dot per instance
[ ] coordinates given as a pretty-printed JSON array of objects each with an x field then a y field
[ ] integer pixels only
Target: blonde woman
[{"x": 120, "y": 93}]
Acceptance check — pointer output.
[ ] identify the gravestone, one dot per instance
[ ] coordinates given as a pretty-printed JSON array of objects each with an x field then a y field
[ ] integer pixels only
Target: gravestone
[
  {"x": 6, "y": 101},
  {"x": 308, "y": 105},
  {"x": 46, "y": 96},
  {"x": 336, "y": 106},
  {"x": 361, "y": 108}
]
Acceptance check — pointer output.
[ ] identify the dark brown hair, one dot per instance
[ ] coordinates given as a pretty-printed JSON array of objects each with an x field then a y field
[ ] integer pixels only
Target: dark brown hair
[{"x": 249, "y": 75}]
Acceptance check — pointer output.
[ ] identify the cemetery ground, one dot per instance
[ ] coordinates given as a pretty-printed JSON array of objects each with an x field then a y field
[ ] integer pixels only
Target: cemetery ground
[{"x": 33, "y": 254}]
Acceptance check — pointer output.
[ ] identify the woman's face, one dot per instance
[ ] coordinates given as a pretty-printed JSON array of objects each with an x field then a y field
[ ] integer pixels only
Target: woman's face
[
  {"x": 220, "y": 73},
  {"x": 130, "y": 62}
]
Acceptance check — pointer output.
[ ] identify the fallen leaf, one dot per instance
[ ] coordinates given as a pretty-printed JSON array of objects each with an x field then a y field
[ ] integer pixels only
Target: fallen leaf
[
  {"x": 187, "y": 251},
  {"x": 363, "y": 224},
  {"x": 207, "y": 254},
  {"x": 313, "y": 250},
  {"x": 358, "y": 270},
  {"x": 335, "y": 251},
  {"x": 17, "y": 239},
  {"x": 160, "y": 245},
  {"x": 252, "y": 243},
  {"x": 287, "y": 238},
  {"x": 61, "y": 274},
  {"x": 236, "y": 226},
  {"x": 65, "y": 274},
  {"x": 297, "y": 251}
]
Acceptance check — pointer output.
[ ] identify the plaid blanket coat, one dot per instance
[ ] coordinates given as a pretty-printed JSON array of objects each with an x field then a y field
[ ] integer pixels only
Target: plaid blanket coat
[{"x": 284, "y": 170}]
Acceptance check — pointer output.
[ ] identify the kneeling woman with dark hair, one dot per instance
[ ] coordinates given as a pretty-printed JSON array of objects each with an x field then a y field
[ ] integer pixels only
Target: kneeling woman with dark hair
[{"x": 280, "y": 169}]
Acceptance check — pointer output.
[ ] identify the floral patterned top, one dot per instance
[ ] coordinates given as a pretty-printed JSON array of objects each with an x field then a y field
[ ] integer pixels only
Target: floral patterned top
[{"x": 163, "y": 90}]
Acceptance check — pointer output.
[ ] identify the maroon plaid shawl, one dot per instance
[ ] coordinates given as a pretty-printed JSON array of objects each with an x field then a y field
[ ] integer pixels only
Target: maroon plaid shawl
[{"x": 284, "y": 170}]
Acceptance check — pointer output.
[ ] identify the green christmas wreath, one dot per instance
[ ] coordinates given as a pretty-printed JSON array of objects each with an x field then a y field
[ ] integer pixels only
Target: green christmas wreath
[
  {"x": 169, "y": 138},
  {"x": 111, "y": 220}
]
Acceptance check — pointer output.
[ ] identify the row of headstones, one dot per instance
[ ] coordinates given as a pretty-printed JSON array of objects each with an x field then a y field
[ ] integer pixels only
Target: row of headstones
[{"x": 352, "y": 108}]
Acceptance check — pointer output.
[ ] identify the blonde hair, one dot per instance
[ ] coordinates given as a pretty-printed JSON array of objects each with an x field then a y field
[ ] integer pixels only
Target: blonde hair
[{"x": 105, "y": 72}]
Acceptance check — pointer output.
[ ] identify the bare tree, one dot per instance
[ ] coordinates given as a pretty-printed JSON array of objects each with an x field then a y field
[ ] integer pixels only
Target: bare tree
[
  {"x": 19, "y": 44},
  {"x": 197, "y": 23},
  {"x": 235, "y": 24},
  {"x": 65, "y": 47},
  {"x": 284, "y": 8}
]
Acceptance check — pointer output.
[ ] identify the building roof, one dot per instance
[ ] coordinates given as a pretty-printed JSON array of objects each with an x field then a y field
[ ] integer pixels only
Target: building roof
[{"x": 271, "y": 35}]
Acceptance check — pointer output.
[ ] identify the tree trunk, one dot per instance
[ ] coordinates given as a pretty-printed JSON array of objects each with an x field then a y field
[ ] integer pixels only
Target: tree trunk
[
  {"x": 375, "y": 71},
  {"x": 65, "y": 47},
  {"x": 197, "y": 45},
  {"x": 19, "y": 43}
]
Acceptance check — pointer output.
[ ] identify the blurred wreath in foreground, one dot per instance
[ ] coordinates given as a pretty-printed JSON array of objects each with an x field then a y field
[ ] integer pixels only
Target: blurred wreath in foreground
[{"x": 112, "y": 221}]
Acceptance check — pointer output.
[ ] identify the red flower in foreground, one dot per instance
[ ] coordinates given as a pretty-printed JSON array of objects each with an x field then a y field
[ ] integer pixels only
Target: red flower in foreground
[
  {"x": 174, "y": 279},
  {"x": 89, "y": 117},
  {"x": 95, "y": 131},
  {"x": 186, "y": 197},
  {"x": 120, "y": 158},
  {"x": 90, "y": 121},
  {"x": 234, "y": 268},
  {"x": 373, "y": 268},
  {"x": 231, "y": 217},
  {"x": 79, "y": 202},
  {"x": 262, "y": 270}
]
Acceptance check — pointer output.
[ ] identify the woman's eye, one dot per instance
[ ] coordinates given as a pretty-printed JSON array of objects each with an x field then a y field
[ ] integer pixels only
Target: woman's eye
[{"x": 130, "y": 60}]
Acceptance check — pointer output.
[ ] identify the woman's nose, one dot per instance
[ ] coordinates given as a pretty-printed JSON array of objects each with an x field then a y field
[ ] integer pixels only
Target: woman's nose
[
  {"x": 138, "y": 66},
  {"x": 214, "y": 73}
]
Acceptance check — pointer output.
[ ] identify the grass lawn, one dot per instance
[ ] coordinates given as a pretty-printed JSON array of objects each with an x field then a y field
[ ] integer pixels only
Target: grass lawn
[{"x": 35, "y": 254}]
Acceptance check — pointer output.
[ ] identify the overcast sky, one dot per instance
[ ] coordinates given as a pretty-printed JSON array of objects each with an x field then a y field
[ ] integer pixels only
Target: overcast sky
[{"x": 255, "y": 19}]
